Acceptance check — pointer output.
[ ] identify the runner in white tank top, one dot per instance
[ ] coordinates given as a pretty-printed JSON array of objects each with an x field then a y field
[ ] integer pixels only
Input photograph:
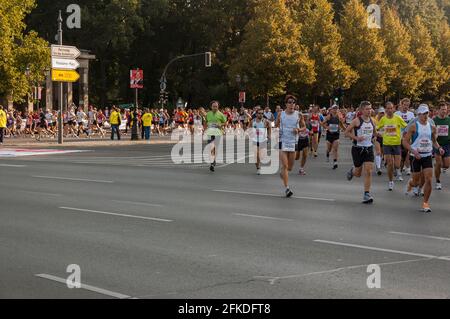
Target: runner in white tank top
[{"x": 288, "y": 123}]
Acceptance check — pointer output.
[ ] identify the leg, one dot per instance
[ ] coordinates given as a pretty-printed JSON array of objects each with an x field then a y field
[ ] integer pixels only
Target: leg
[
  {"x": 284, "y": 168},
  {"x": 428, "y": 178},
  {"x": 390, "y": 166},
  {"x": 368, "y": 169}
]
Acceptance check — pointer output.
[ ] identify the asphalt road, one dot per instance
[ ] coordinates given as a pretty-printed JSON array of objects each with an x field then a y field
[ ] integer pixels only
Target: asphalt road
[{"x": 140, "y": 226}]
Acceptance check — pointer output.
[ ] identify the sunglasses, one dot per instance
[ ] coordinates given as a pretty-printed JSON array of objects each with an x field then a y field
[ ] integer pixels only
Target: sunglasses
[{"x": 290, "y": 102}]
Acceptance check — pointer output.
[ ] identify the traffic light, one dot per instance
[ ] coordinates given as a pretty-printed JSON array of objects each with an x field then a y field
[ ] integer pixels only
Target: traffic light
[{"x": 208, "y": 61}]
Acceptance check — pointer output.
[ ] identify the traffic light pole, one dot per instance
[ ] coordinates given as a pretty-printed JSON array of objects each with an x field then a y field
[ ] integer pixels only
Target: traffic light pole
[
  {"x": 61, "y": 94},
  {"x": 163, "y": 79}
]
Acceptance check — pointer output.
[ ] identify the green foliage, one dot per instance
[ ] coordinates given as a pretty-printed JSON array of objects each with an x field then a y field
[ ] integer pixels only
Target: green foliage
[
  {"x": 19, "y": 50},
  {"x": 363, "y": 49},
  {"x": 270, "y": 53}
]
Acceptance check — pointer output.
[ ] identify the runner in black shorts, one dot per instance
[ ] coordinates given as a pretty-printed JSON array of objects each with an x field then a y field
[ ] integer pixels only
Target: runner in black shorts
[{"x": 333, "y": 123}]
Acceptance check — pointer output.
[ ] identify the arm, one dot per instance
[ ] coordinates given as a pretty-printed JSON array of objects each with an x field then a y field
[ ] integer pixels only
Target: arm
[
  {"x": 349, "y": 132},
  {"x": 407, "y": 141},
  {"x": 435, "y": 142}
]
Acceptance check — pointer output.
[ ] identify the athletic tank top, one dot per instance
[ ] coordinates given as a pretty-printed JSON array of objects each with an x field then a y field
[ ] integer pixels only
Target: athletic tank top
[
  {"x": 315, "y": 123},
  {"x": 260, "y": 131},
  {"x": 288, "y": 137},
  {"x": 333, "y": 126},
  {"x": 422, "y": 139},
  {"x": 366, "y": 129}
]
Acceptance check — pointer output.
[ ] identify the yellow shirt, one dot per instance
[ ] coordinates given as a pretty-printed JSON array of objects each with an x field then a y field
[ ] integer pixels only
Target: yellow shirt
[
  {"x": 114, "y": 118},
  {"x": 2, "y": 119},
  {"x": 147, "y": 119},
  {"x": 392, "y": 130}
]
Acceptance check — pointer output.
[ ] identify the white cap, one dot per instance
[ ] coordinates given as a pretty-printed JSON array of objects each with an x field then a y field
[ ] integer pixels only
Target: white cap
[
  {"x": 334, "y": 106},
  {"x": 423, "y": 108},
  {"x": 381, "y": 110}
]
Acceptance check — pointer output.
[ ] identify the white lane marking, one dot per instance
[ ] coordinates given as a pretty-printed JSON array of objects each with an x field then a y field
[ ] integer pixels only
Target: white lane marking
[
  {"x": 86, "y": 287},
  {"x": 419, "y": 235},
  {"x": 274, "y": 195},
  {"x": 41, "y": 193},
  {"x": 263, "y": 217},
  {"x": 381, "y": 249},
  {"x": 137, "y": 203},
  {"x": 73, "y": 179},
  {"x": 116, "y": 214},
  {"x": 272, "y": 280},
  {"x": 11, "y": 165}
]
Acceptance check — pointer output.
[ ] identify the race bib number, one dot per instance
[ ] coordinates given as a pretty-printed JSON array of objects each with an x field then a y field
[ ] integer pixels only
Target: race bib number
[
  {"x": 390, "y": 130},
  {"x": 288, "y": 147},
  {"x": 425, "y": 146},
  {"x": 442, "y": 130},
  {"x": 213, "y": 125},
  {"x": 333, "y": 128},
  {"x": 367, "y": 133},
  {"x": 315, "y": 124}
]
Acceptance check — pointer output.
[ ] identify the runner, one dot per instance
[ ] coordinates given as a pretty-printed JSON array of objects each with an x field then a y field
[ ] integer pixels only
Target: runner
[
  {"x": 442, "y": 121},
  {"x": 315, "y": 125},
  {"x": 379, "y": 140},
  {"x": 261, "y": 134},
  {"x": 362, "y": 131},
  {"x": 215, "y": 121},
  {"x": 288, "y": 123},
  {"x": 407, "y": 116},
  {"x": 419, "y": 140},
  {"x": 303, "y": 143},
  {"x": 390, "y": 127},
  {"x": 333, "y": 124}
]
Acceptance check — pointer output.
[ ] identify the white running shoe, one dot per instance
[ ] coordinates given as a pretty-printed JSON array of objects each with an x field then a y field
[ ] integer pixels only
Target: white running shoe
[
  {"x": 408, "y": 171},
  {"x": 399, "y": 178},
  {"x": 258, "y": 171},
  {"x": 391, "y": 186},
  {"x": 439, "y": 186}
]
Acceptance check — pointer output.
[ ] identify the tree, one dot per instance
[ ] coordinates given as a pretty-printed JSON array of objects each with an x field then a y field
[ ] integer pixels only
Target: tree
[
  {"x": 19, "y": 51},
  {"x": 270, "y": 53},
  {"x": 444, "y": 55},
  {"x": 363, "y": 49},
  {"x": 426, "y": 58},
  {"x": 404, "y": 75},
  {"x": 321, "y": 37}
]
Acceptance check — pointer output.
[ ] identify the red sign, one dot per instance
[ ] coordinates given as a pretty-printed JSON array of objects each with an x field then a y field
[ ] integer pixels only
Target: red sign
[
  {"x": 137, "y": 79},
  {"x": 241, "y": 97}
]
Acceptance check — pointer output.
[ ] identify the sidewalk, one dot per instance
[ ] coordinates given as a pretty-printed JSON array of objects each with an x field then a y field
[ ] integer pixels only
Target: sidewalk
[{"x": 83, "y": 142}]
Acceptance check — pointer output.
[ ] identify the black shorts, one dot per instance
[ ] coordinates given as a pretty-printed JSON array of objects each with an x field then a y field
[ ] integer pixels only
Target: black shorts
[
  {"x": 362, "y": 155},
  {"x": 446, "y": 149},
  {"x": 94, "y": 123},
  {"x": 80, "y": 123},
  {"x": 43, "y": 125},
  {"x": 392, "y": 150},
  {"x": 211, "y": 139},
  {"x": 332, "y": 137},
  {"x": 191, "y": 123},
  {"x": 235, "y": 122},
  {"x": 302, "y": 144},
  {"x": 417, "y": 165}
]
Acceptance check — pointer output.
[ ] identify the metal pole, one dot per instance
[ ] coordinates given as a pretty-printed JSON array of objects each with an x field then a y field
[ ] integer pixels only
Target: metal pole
[{"x": 61, "y": 94}]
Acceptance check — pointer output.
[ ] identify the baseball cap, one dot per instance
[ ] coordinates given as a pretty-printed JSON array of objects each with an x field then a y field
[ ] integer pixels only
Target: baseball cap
[
  {"x": 381, "y": 110},
  {"x": 334, "y": 106},
  {"x": 423, "y": 108}
]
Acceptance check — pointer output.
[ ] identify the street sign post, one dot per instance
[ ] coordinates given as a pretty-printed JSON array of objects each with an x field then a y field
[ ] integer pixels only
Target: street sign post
[
  {"x": 137, "y": 81},
  {"x": 242, "y": 97},
  {"x": 64, "y": 64}
]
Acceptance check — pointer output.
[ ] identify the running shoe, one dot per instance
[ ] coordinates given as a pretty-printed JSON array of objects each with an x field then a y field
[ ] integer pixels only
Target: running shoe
[
  {"x": 211, "y": 168},
  {"x": 289, "y": 193},
  {"x": 368, "y": 199},
  {"x": 399, "y": 178},
  {"x": 439, "y": 186},
  {"x": 391, "y": 186},
  {"x": 302, "y": 172},
  {"x": 335, "y": 166},
  {"x": 426, "y": 208},
  {"x": 350, "y": 175},
  {"x": 379, "y": 173},
  {"x": 408, "y": 171},
  {"x": 258, "y": 171}
]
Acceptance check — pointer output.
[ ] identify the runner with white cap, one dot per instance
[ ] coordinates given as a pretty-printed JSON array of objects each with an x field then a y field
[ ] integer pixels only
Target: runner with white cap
[{"x": 419, "y": 140}]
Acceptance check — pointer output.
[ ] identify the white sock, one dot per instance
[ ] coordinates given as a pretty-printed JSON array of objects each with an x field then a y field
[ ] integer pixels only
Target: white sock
[
  {"x": 378, "y": 161},
  {"x": 398, "y": 171}
]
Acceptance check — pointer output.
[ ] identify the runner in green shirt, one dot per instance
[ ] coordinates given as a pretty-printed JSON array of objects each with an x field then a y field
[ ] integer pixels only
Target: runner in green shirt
[
  {"x": 442, "y": 121},
  {"x": 215, "y": 120}
]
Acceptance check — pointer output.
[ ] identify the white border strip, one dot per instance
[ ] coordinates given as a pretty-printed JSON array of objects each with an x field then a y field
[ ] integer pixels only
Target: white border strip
[
  {"x": 86, "y": 287},
  {"x": 116, "y": 214},
  {"x": 419, "y": 235},
  {"x": 263, "y": 217},
  {"x": 381, "y": 249},
  {"x": 274, "y": 195},
  {"x": 73, "y": 179}
]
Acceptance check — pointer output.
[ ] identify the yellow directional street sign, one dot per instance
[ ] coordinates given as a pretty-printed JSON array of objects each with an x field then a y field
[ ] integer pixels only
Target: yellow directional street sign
[{"x": 64, "y": 75}]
